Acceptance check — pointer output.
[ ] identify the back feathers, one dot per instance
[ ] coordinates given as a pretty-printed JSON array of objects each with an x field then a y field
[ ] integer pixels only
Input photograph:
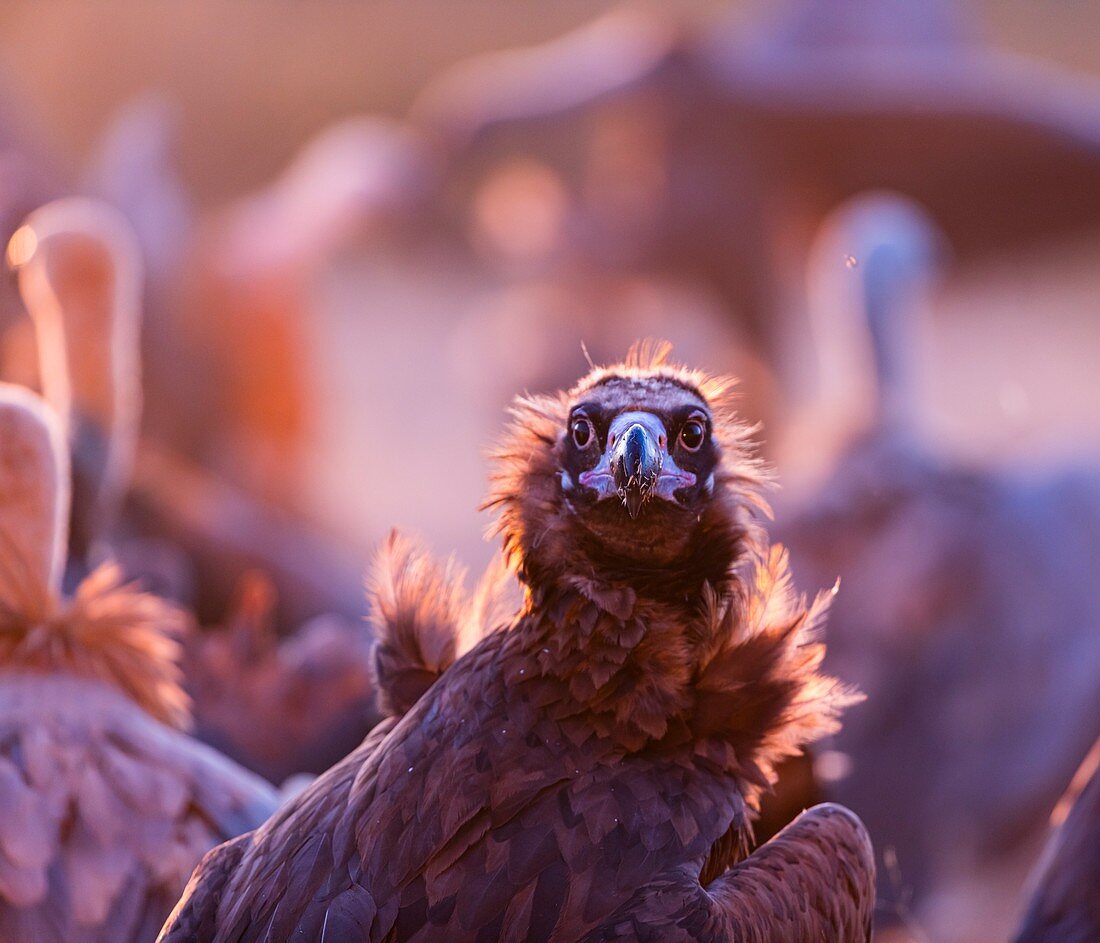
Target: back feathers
[{"x": 423, "y": 618}]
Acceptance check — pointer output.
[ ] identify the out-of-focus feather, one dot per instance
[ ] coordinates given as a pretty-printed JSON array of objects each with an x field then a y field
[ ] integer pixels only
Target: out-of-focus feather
[
  {"x": 84, "y": 847},
  {"x": 280, "y": 705},
  {"x": 34, "y": 500},
  {"x": 1065, "y": 902}
]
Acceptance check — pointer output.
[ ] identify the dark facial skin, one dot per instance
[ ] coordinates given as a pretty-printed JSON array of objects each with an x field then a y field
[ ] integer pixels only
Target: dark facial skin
[{"x": 668, "y": 500}]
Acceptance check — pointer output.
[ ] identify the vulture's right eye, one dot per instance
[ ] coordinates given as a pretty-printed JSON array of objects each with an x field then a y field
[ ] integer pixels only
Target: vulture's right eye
[{"x": 582, "y": 432}]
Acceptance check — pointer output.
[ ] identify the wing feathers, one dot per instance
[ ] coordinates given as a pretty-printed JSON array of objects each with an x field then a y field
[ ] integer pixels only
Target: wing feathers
[{"x": 814, "y": 881}]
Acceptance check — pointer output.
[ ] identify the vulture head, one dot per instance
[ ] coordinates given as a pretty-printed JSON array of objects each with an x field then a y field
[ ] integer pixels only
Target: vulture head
[{"x": 640, "y": 476}]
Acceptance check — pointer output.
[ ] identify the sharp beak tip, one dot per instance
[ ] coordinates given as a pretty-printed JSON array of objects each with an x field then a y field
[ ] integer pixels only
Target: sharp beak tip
[{"x": 633, "y": 500}]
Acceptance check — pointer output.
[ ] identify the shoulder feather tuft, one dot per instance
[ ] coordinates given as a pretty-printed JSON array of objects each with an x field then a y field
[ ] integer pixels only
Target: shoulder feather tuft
[{"x": 423, "y": 619}]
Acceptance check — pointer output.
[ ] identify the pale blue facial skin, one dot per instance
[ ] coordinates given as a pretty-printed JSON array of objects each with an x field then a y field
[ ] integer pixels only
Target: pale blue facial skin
[{"x": 636, "y": 465}]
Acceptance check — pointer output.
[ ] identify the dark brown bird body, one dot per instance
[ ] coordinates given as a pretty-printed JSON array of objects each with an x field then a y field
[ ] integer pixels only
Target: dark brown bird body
[
  {"x": 1065, "y": 905},
  {"x": 590, "y": 769}
]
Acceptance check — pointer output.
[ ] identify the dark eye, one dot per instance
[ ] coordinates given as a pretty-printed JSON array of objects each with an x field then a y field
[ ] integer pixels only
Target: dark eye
[
  {"x": 582, "y": 432},
  {"x": 692, "y": 435}
]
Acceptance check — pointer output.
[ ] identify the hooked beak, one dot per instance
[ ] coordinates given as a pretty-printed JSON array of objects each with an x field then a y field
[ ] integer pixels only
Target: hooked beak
[{"x": 635, "y": 466}]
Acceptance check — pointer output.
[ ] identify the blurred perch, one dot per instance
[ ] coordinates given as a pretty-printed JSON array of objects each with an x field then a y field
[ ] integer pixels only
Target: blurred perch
[
  {"x": 107, "y": 807},
  {"x": 966, "y": 613},
  {"x": 1065, "y": 906},
  {"x": 716, "y": 156}
]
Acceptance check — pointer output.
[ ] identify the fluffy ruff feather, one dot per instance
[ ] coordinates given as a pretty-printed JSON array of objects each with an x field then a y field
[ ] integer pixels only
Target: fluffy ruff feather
[
  {"x": 423, "y": 619},
  {"x": 760, "y": 687},
  {"x": 108, "y": 630}
]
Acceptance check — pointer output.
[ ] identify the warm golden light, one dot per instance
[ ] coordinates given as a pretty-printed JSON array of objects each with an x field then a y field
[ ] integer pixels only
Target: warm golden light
[{"x": 22, "y": 246}]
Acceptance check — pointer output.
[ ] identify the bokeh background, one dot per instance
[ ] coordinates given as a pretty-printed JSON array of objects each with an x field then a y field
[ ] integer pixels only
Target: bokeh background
[
  {"x": 244, "y": 87},
  {"x": 364, "y": 231}
]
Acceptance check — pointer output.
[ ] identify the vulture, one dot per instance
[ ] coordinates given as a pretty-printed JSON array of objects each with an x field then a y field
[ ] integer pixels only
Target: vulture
[
  {"x": 979, "y": 653},
  {"x": 277, "y": 707},
  {"x": 107, "y": 804},
  {"x": 589, "y": 769},
  {"x": 1065, "y": 906}
]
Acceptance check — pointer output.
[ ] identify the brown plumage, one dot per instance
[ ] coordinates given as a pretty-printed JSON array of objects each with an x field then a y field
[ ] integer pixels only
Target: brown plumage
[
  {"x": 1065, "y": 905},
  {"x": 423, "y": 620},
  {"x": 589, "y": 769},
  {"x": 106, "y": 805}
]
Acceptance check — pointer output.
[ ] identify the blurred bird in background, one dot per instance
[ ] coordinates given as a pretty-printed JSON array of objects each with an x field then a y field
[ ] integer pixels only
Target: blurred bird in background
[
  {"x": 962, "y": 598},
  {"x": 278, "y": 707},
  {"x": 108, "y": 804},
  {"x": 1065, "y": 904}
]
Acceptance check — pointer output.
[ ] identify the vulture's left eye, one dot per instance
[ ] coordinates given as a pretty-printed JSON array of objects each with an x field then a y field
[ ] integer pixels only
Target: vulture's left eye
[
  {"x": 692, "y": 435},
  {"x": 582, "y": 432}
]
